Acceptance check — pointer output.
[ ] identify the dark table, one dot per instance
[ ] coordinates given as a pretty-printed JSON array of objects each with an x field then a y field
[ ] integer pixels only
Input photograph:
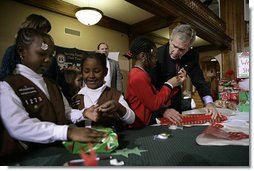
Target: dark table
[{"x": 180, "y": 149}]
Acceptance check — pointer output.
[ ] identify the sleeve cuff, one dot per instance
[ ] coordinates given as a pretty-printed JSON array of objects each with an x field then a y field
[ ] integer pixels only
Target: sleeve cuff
[
  {"x": 207, "y": 99},
  {"x": 60, "y": 132},
  {"x": 168, "y": 85},
  {"x": 77, "y": 115}
]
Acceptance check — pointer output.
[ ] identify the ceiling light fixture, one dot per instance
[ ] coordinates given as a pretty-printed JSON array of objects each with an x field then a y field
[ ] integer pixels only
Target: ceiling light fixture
[{"x": 88, "y": 15}]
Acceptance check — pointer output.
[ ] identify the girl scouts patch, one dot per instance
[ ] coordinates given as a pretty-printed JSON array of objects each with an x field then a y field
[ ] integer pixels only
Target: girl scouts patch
[{"x": 30, "y": 96}]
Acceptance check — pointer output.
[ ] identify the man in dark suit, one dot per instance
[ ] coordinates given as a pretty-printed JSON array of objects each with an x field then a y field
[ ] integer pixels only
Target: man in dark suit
[
  {"x": 178, "y": 54},
  {"x": 114, "y": 76}
]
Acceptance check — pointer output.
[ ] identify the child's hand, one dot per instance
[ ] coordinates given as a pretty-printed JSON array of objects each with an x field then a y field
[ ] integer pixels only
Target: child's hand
[
  {"x": 175, "y": 81},
  {"x": 108, "y": 107},
  {"x": 91, "y": 113},
  {"x": 182, "y": 74},
  {"x": 84, "y": 134}
]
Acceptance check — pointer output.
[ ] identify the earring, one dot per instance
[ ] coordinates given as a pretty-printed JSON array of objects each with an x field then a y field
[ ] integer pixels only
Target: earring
[{"x": 21, "y": 57}]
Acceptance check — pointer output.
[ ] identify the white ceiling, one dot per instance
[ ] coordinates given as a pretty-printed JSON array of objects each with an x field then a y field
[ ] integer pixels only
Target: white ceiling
[
  {"x": 114, "y": 9},
  {"x": 130, "y": 15}
]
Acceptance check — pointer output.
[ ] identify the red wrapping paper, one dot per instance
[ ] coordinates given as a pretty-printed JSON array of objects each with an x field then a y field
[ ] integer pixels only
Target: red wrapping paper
[
  {"x": 217, "y": 131},
  {"x": 190, "y": 119}
]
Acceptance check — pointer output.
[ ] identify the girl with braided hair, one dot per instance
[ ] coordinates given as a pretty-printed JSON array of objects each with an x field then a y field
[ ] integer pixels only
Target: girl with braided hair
[
  {"x": 142, "y": 96},
  {"x": 33, "y": 111},
  {"x": 10, "y": 58}
]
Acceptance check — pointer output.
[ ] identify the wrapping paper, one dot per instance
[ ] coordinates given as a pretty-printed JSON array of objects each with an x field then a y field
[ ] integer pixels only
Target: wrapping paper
[
  {"x": 109, "y": 144},
  {"x": 190, "y": 119},
  {"x": 234, "y": 131},
  {"x": 216, "y": 131}
]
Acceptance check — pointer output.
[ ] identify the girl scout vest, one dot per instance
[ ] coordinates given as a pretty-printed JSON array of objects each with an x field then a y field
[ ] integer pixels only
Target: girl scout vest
[
  {"x": 105, "y": 119},
  {"x": 37, "y": 105}
]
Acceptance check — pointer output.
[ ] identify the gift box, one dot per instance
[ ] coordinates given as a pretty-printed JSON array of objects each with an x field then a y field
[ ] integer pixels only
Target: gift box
[
  {"x": 225, "y": 96},
  {"x": 244, "y": 96},
  {"x": 108, "y": 144},
  {"x": 228, "y": 90},
  {"x": 234, "y": 96},
  {"x": 243, "y": 107}
]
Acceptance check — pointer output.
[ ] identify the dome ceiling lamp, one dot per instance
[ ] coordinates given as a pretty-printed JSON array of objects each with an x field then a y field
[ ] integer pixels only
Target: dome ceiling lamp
[{"x": 88, "y": 15}]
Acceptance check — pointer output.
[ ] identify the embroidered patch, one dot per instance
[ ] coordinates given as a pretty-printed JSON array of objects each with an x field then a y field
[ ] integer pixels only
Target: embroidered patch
[
  {"x": 75, "y": 103},
  {"x": 32, "y": 101},
  {"x": 26, "y": 90}
]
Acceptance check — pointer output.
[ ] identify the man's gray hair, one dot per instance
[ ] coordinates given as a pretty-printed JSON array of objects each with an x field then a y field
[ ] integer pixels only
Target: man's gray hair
[{"x": 185, "y": 33}]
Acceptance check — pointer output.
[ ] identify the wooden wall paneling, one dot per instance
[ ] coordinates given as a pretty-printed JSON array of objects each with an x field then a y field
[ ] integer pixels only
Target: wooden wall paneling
[{"x": 232, "y": 12}]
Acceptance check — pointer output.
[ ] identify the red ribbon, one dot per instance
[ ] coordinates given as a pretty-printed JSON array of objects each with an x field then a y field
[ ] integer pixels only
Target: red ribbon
[{"x": 89, "y": 159}]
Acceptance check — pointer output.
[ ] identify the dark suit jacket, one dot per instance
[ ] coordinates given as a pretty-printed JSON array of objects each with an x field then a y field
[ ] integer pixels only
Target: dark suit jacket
[
  {"x": 166, "y": 69},
  {"x": 116, "y": 80}
]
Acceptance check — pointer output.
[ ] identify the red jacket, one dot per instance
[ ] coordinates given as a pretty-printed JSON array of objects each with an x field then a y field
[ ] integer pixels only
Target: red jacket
[{"x": 143, "y": 97}]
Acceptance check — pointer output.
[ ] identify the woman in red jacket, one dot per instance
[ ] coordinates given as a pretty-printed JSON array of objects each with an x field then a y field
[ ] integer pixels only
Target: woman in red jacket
[{"x": 142, "y": 96}]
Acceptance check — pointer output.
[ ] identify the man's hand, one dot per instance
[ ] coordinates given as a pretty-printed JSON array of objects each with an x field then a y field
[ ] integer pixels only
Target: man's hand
[
  {"x": 172, "y": 115},
  {"x": 211, "y": 110}
]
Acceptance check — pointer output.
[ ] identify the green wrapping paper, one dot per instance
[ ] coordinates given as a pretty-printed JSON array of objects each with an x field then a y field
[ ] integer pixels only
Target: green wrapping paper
[{"x": 109, "y": 144}]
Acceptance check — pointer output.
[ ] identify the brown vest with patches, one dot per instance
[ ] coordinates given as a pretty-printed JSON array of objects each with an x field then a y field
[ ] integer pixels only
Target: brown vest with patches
[
  {"x": 106, "y": 119},
  {"x": 37, "y": 105}
]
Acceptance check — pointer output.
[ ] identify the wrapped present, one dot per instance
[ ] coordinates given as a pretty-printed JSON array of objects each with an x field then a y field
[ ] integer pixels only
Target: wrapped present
[
  {"x": 229, "y": 94},
  {"x": 225, "y": 96},
  {"x": 234, "y": 84},
  {"x": 234, "y": 96},
  {"x": 222, "y": 85},
  {"x": 243, "y": 96},
  {"x": 244, "y": 107},
  {"x": 108, "y": 144},
  {"x": 228, "y": 90},
  {"x": 226, "y": 104}
]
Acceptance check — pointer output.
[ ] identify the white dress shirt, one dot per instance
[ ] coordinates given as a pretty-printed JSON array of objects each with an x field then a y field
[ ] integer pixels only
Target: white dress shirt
[
  {"x": 108, "y": 77},
  {"x": 17, "y": 120}
]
